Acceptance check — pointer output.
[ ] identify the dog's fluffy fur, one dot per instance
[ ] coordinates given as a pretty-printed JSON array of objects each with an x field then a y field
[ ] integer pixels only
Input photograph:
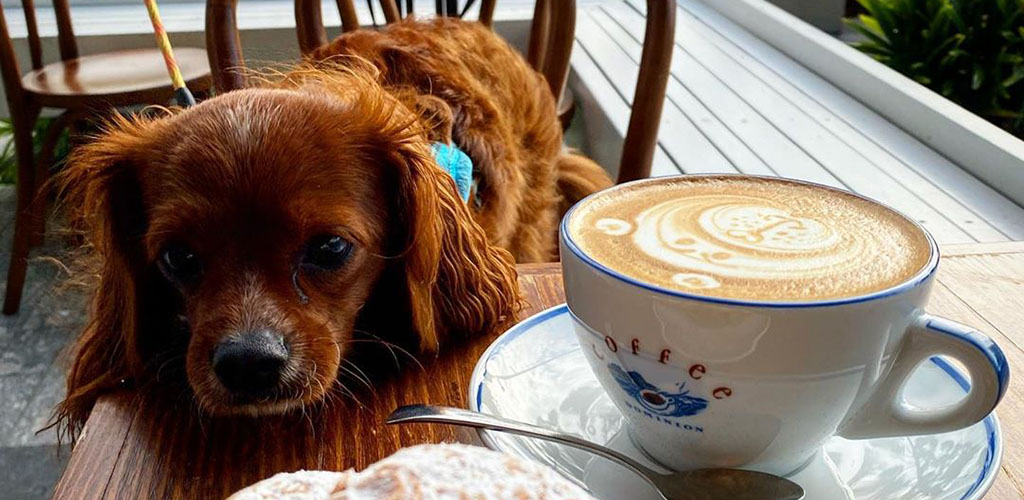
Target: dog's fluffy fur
[{"x": 339, "y": 146}]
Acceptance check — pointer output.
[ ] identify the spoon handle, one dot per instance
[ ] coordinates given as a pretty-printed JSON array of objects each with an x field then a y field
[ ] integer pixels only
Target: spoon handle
[{"x": 457, "y": 416}]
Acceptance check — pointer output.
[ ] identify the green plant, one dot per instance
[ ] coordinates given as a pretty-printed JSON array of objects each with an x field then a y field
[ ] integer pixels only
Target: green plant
[
  {"x": 970, "y": 51},
  {"x": 8, "y": 159}
]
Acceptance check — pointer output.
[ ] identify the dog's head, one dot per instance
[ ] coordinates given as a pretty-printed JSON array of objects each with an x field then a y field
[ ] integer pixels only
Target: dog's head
[{"x": 250, "y": 238}]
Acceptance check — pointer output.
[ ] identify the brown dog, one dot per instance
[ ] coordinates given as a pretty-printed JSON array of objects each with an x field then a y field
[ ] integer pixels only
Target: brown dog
[{"x": 246, "y": 243}]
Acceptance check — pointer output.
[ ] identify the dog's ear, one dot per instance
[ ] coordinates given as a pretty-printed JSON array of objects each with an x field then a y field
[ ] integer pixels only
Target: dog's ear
[
  {"x": 458, "y": 283},
  {"x": 436, "y": 117},
  {"x": 100, "y": 192}
]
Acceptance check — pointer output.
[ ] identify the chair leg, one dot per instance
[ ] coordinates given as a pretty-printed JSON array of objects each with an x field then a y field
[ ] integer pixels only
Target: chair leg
[
  {"x": 566, "y": 108},
  {"x": 42, "y": 175},
  {"x": 24, "y": 120}
]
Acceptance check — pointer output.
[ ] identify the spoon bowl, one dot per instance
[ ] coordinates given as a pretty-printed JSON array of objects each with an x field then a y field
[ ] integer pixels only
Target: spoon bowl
[{"x": 701, "y": 484}]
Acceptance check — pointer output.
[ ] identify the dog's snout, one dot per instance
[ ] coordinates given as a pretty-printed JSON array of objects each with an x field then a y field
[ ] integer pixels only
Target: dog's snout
[{"x": 251, "y": 364}]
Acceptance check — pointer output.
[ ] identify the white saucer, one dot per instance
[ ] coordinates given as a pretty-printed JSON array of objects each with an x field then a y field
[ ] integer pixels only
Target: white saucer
[{"x": 536, "y": 373}]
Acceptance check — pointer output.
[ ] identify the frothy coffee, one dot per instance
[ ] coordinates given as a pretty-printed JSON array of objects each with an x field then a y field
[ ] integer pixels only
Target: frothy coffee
[{"x": 749, "y": 238}]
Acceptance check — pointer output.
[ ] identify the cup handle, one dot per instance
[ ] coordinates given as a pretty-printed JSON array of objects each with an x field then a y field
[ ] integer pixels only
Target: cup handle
[{"x": 886, "y": 414}]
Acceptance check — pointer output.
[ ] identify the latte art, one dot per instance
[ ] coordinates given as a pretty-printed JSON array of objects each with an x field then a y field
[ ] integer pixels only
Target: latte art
[
  {"x": 613, "y": 227},
  {"x": 691, "y": 280},
  {"x": 741, "y": 237},
  {"x": 755, "y": 238},
  {"x": 747, "y": 222}
]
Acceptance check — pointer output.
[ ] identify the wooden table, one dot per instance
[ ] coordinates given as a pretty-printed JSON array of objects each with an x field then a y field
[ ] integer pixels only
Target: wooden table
[{"x": 133, "y": 448}]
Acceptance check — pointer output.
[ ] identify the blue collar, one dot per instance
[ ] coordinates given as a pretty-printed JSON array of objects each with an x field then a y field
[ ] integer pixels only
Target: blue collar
[{"x": 453, "y": 160}]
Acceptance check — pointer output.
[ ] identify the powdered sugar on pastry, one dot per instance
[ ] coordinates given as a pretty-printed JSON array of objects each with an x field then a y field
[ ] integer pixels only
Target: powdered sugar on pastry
[
  {"x": 301, "y": 485},
  {"x": 427, "y": 472}
]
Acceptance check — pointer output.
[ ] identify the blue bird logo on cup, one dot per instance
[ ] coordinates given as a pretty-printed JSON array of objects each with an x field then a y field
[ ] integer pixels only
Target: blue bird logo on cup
[{"x": 656, "y": 401}]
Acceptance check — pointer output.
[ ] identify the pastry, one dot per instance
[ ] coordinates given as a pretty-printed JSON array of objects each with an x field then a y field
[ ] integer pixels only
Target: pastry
[{"x": 425, "y": 472}]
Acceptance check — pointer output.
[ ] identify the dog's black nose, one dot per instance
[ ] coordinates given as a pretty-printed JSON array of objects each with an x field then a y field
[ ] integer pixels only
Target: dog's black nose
[{"x": 251, "y": 364}]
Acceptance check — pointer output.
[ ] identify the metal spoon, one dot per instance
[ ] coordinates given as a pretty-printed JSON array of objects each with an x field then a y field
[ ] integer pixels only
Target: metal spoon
[{"x": 702, "y": 484}]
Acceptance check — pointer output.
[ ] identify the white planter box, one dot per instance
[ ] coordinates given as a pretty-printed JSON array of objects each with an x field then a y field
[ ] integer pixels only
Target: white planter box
[{"x": 977, "y": 146}]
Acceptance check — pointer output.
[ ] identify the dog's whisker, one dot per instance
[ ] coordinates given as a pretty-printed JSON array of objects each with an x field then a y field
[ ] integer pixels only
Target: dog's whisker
[
  {"x": 358, "y": 374},
  {"x": 198, "y": 414},
  {"x": 391, "y": 347},
  {"x": 355, "y": 367},
  {"x": 391, "y": 350},
  {"x": 170, "y": 361},
  {"x": 308, "y": 417},
  {"x": 320, "y": 385},
  {"x": 307, "y": 383},
  {"x": 347, "y": 392},
  {"x": 311, "y": 378}
]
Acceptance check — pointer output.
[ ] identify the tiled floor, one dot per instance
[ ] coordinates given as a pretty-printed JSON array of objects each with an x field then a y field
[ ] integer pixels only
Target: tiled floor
[{"x": 31, "y": 368}]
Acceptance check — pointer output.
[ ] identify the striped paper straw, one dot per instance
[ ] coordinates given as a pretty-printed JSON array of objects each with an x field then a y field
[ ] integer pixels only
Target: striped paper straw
[{"x": 181, "y": 92}]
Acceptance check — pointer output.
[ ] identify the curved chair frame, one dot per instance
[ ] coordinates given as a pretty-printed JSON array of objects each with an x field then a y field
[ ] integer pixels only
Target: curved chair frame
[
  {"x": 550, "y": 49},
  {"x": 26, "y": 102}
]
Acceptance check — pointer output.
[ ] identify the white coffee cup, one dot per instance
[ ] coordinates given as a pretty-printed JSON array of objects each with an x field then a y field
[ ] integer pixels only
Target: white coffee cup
[{"x": 712, "y": 382}]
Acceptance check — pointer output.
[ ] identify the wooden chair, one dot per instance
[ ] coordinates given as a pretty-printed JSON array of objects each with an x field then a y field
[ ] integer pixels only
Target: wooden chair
[
  {"x": 82, "y": 87},
  {"x": 550, "y": 47}
]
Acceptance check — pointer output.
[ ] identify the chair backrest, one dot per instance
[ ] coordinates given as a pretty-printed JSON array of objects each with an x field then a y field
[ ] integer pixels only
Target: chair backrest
[
  {"x": 223, "y": 45},
  {"x": 310, "y": 29},
  {"x": 551, "y": 40},
  {"x": 549, "y": 48},
  {"x": 9, "y": 62},
  {"x": 649, "y": 96}
]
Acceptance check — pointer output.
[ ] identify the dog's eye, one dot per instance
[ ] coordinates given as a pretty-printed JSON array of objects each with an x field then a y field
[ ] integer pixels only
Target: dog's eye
[
  {"x": 180, "y": 263},
  {"x": 327, "y": 252}
]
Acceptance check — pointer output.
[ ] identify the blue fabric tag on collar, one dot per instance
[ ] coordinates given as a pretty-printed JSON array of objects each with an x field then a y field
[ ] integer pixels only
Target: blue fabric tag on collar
[{"x": 453, "y": 160}]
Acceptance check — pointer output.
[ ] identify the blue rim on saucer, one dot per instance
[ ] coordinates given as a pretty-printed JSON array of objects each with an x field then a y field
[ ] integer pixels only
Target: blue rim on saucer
[{"x": 984, "y": 439}]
